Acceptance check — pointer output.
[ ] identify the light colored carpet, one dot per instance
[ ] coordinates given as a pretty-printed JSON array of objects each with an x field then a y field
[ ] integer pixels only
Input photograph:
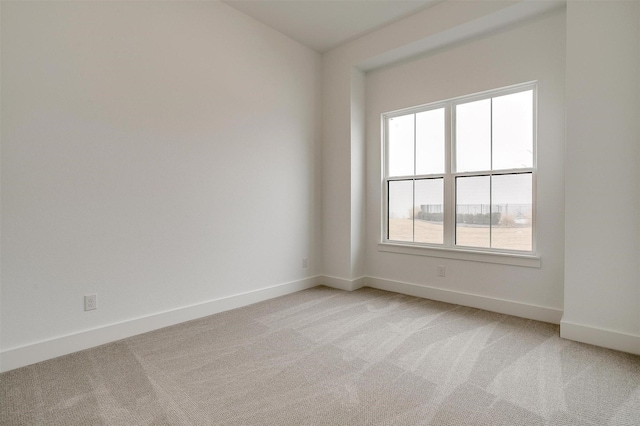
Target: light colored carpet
[{"x": 328, "y": 357}]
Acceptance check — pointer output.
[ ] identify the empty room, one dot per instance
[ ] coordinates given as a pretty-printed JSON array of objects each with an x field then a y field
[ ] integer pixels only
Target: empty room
[{"x": 320, "y": 212}]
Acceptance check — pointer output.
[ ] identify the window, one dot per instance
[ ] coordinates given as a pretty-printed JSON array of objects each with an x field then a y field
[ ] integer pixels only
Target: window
[{"x": 460, "y": 174}]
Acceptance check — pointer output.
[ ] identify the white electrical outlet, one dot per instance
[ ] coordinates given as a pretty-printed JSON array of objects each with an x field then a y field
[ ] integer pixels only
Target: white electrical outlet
[
  {"x": 442, "y": 270},
  {"x": 91, "y": 302},
  {"x": 305, "y": 262}
]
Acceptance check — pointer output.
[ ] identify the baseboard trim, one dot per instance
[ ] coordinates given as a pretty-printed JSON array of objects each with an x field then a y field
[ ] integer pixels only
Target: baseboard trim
[
  {"x": 509, "y": 307},
  {"x": 41, "y": 351},
  {"x": 343, "y": 283},
  {"x": 600, "y": 337}
]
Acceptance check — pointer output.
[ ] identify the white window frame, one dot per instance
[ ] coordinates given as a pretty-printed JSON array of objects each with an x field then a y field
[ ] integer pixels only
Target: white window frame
[{"x": 448, "y": 249}]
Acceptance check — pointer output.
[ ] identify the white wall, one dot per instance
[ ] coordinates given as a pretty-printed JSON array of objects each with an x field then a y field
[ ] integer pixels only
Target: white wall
[
  {"x": 531, "y": 51},
  {"x": 602, "y": 275},
  {"x": 591, "y": 275},
  {"x": 159, "y": 154},
  {"x": 393, "y": 49},
  {"x": 166, "y": 156},
  {"x": 343, "y": 107}
]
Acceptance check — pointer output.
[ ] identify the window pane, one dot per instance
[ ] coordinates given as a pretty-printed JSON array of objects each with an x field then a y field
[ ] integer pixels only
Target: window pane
[
  {"x": 401, "y": 145},
  {"x": 512, "y": 203},
  {"x": 513, "y": 131},
  {"x": 401, "y": 210},
  {"x": 430, "y": 142},
  {"x": 473, "y": 215},
  {"x": 473, "y": 136},
  {"x": 429, "y": 211}
]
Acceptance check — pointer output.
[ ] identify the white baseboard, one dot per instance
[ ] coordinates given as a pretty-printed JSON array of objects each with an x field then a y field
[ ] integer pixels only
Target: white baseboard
[
  {"x": 523, "y": 310},
  {"x": 600, "y": 337},
  {"x": 343, "y": 283},
  {"x": 41, "y": 351}
]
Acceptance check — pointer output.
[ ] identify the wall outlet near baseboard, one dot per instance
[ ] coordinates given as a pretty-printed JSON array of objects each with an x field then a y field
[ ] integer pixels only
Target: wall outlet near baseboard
[
  {"x": 442, "y": 270},
  {"x": 305, "y": 262},
  {"x": 91, "y": 302}
]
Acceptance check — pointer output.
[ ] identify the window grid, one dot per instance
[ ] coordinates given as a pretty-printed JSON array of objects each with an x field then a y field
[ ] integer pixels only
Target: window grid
[{"x": 450, "y": 175}]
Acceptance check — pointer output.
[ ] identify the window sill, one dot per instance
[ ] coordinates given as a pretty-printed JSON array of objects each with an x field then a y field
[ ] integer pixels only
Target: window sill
[{"x": 513, "y": 259}]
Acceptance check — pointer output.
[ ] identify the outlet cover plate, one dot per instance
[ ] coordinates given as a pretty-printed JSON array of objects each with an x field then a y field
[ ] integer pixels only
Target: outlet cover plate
[{"x": 91, "y": 302}]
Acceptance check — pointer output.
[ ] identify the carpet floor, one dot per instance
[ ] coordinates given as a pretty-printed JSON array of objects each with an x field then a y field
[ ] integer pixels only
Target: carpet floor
[{"x": 328, "y": 357}]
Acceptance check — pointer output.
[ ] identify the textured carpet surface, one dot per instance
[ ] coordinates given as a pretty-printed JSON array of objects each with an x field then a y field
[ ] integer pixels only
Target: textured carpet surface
[{"x": 328, "y": 357}]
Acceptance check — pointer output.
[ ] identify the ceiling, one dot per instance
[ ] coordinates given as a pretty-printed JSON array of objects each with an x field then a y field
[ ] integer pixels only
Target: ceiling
[{"x": 325, "y": 24}]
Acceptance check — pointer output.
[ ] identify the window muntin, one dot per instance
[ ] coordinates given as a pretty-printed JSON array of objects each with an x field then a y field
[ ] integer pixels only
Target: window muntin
[{"x": 461, "y": 173}]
